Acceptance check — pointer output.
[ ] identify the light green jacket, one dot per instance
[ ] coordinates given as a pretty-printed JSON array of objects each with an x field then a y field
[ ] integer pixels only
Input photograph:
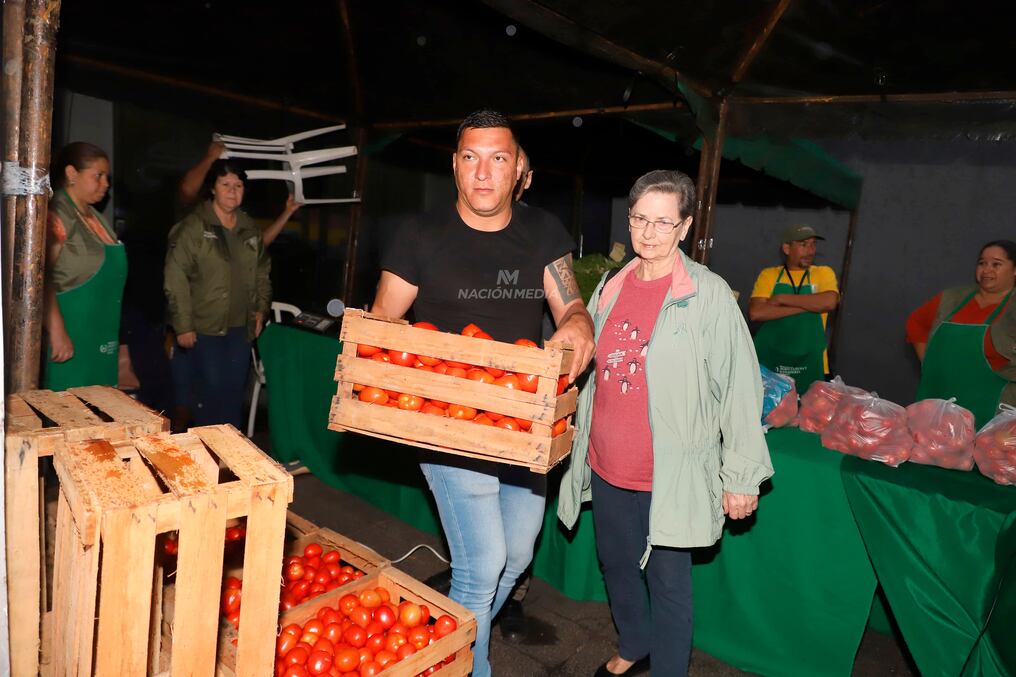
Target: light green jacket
[
  {"x": 705, "y": 408},
  {"x": 198, "y": 278}
]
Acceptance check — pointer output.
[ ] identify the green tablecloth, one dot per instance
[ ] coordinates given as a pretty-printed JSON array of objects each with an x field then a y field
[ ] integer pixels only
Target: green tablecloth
[
  {"x": 786, "y": 593},
  {"x": 943, "y": 544}
]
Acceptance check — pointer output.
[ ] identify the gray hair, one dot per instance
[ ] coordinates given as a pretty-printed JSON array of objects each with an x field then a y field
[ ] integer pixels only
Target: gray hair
[{"x": 665, "y": 181}]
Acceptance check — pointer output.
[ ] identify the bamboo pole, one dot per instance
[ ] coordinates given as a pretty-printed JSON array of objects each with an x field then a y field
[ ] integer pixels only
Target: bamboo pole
[
  {"x": 397, "y": 125},
  {"x": 836, "y": 319},
  {"x": 708, "y": 178},
  {"x": 42, "y": 17},
  {"x": 360, "y": 176},
  {"x": 13, "y": 37}
]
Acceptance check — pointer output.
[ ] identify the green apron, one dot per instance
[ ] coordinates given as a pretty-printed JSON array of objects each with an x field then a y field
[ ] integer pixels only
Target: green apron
[
  {"x": 793, "y": 345},
  {"x": 955, "y": 366},
  {"x": 91, "y": 314}
]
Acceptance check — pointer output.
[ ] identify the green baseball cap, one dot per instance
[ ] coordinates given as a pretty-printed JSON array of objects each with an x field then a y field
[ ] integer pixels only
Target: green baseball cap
[{"x": 799, "y": 232}]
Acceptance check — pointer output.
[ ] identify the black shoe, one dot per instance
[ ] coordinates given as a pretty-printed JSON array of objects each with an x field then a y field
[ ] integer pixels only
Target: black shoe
[
  {"x": 512, "y": 621},
  {"x": 639, "y": 667},
  {"x": 441, "y": 581}
]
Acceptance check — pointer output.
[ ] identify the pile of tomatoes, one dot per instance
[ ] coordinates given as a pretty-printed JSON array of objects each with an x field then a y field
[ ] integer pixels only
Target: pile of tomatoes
[
  {"x": 409, "y": 402},
  {"x": 171, "y": 541},
  {"x": 995, "y": 448},
  {"x": 303, "y": 577},
  {"x": 359, "y": 637}
]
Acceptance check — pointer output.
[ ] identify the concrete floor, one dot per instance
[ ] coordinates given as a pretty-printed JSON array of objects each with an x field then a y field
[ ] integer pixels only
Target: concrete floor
[{"x": 567, "y": 637}]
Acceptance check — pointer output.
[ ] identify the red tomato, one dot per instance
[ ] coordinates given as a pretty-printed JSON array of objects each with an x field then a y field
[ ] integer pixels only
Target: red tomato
[
  {"x": 528, "y": 382},
  {"x": 385, "y": 616},
  {"x": 424, "y": 614},
  {"x": 347, "y": 660},
  {"x": 401, "y": 358},
  {"x": 381, "y": 357},
  {"x": 461, "y": 411},
  {"x": 425, "y": 367},
  {"x": 376, "y": 642},
  {"x": 300, "y": 589},
  {"x": 295, "y": 671},
  {"x": 297, "y": 655},
  {"x": 562, "y": 383},
  {"x": 457, "y": 372},
  {"x": 470, "y": 330},
  {"x": 481, "y": 375},
  {"x": 325, "y": 644},
  {"x": 494, "y": 371},
  {"x": 560, "y": 425},
  {"x": 441, "y": 368},
  {"x": 451, "y": 364},
  {"x": 405, "y": 650},
  {"x": 233, "y": 534},
  {"x": 355, "y": 636},
  {"x": 393, "y": 643},
  {"x": 294, "y": 571},
  {"x": 284, "y": 643},
  {"x": 370, "y": 669},
  {"x": 510, "y": 381},
  {"x": 230, "y": 600},
  {"x": 292, "y": 629},
  {"x": 360, "y": 616},
  {"x": 524, "y": 424},
  {"x": 373, "y": 395},
  {"x": 364, "y": 350},
  {"x": 432, "y": 409},
  {"x": 508, "y": 423},
  {"x": 370, "y": 599},
  {"x": 398, "y": 629},
  {"x": 366, "y": 655},
  {"x": 234, "y": 619},
  {"x": 333, "y": 569},
  {"x": 444, "y": 625},
  {"x": 526, "y": 342},
  {"x": 493, "y": 415},
  {"x": 425, "y": 325},
  {"x": 483, "y": 419},
  {"x": 323, "y": 577},
  {"x": 410, "y": 614},
  {"x": 319, "y": 662},
  {"x": 385, "y": 658},
  {"x": 410, "y": 402},
  {"x": 331, "y": 556},
  {"x": 333, "y": 633},
  {"x": 314, "y": 626},
  {"x": 419, "y": 636},
  {"x": 483, "y": 335},
  {"x": 232, "y": 582}
]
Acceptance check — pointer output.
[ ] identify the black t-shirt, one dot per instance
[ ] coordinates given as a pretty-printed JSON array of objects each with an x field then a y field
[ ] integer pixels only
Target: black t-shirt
[{"x": 494, "y": 280}]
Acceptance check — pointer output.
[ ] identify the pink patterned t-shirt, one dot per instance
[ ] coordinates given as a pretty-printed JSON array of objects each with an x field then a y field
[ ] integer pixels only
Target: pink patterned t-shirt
[{"x": 620, "y": 441}]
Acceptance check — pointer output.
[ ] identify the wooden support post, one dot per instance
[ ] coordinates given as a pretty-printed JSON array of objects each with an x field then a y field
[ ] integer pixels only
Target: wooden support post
[
  {"x": 13, "y": 37},
  {"x": 41, "y": 20},
  {"x": 708, "y": 177},
  {"x": 835, "y": 319}
]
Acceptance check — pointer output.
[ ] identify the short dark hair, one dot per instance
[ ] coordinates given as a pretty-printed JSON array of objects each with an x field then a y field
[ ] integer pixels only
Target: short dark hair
[
  {"x": 666, "y": 181},
  {"x": 79, "y": 154},
  {"x": 484, "y": 119},
  {"x": 1008, "y": 246},
  {"x": 221, "y": 168}
]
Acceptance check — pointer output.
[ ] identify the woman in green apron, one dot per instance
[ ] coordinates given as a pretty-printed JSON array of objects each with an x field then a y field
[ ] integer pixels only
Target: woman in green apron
[
  {"x": 85, "y": 275},
  {"x": 966, "y": 337}
]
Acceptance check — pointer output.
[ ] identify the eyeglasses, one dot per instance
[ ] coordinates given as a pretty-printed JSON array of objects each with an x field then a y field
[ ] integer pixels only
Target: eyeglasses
[{"x": 639, "y": 222}]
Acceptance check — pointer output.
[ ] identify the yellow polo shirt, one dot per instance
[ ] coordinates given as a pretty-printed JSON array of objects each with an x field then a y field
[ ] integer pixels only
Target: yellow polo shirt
[{"x": 821, "y": 278}]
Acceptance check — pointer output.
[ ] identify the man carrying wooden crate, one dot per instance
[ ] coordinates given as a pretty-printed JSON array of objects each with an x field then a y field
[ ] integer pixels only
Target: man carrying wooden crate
[{"x": 484, "y": 262}]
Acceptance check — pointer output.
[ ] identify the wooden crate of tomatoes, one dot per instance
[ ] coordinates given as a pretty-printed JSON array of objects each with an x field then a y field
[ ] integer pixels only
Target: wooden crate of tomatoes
[
  {"x": 388, "y": 624},
  {"x": 462, "y": 393},
  {"x": 116, "y": 500},
  {"x": 37, "y": 421}
]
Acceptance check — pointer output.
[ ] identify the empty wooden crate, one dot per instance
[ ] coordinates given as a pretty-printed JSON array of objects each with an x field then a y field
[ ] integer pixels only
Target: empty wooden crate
[
  {"x": 115, "y": 498},
  {"x": 538, "y": 449},
  {"x": 37, "y": 421}
]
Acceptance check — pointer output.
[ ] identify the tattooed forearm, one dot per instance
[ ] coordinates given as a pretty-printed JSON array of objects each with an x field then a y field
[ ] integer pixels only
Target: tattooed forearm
[{"x": 564, "y": 279}]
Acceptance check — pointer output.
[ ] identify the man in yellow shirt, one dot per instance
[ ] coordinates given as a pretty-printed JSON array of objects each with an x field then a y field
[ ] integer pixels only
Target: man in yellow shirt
[{"x": 793, "y": 302}]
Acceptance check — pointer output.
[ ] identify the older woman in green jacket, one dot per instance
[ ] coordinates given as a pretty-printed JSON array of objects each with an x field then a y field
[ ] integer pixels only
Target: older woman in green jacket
[
  {"x": 668, "y": 438},
  {"x": 218, "y": 290}
]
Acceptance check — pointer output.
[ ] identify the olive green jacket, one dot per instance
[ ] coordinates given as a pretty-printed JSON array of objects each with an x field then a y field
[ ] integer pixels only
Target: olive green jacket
[
  {"x": 1003, "y": 333},
  {"x": 83, "y": 253},
  {"x": 198, "y": 277},
  {"x": 705, "y": 407}
]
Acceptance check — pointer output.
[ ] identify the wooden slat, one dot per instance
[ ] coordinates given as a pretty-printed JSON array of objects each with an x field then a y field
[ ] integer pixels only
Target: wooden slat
[
  {"x": 447, "y": 346},
  {"x": 83, "y": 468},
  {"x": 128, "y": 557},
  {"x": 349, "y": 352},
  {"x": 567, "y": 355},
  {"x": 245, "y": 460},
  {"x": 21, "y": 499},
  {"x": 433, "y": 386},
  {"x": 198, "y": 585},
  {"x": 442, "y": 431},
  {"x": 20, "y": 416},
  {"x": 566, "y": 402},
  {"x": 119, "y": 406},
  {"x": 62, "y": 408},
  {"x": 266, "y": 528},
  {"x": 75, "y": 576},
  {"x": 178, "y": 468}
]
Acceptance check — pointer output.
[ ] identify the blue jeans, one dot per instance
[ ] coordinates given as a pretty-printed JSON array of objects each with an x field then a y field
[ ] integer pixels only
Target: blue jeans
[
  {"x": 491, "y": 514},
  {"x": 658, "y": 625},
  {"x": 216, "y": 370}
]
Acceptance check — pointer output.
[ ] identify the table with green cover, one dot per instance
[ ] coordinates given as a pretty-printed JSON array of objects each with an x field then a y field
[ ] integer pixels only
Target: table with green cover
[
  {"x": 786, "y": 592},
  {"x": 943, "y": 543}
]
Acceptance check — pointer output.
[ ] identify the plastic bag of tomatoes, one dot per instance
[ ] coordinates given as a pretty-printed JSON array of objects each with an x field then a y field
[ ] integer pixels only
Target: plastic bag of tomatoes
[
  {"x": 820, "y": 402},
  {"x": 779, "y": 399},
  {"x": 995, "y": 447},
  {"x": 871, "y": 428},
  {"x": 943, "y": 434}
]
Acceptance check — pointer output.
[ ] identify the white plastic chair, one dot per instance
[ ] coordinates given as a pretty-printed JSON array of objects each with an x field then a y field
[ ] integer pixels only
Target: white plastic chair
[
  {"x": 278, "y": 308},
  {"x": 296, "y": 169}
]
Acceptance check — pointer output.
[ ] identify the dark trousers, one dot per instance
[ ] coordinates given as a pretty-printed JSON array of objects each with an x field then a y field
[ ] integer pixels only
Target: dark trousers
[
  {"x": 657, "y": 624},
  {"x": 217, "y": 368}
]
